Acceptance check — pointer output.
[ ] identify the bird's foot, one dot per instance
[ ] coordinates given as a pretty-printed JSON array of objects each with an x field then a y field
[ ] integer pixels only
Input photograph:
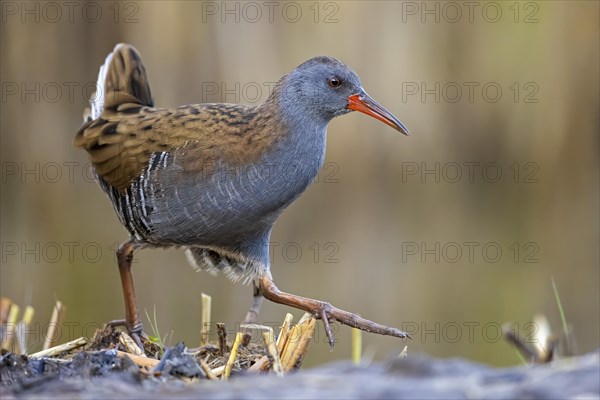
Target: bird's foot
[
  {"x": 136, "y": 331},
  {"x": 326, "y": 312}
]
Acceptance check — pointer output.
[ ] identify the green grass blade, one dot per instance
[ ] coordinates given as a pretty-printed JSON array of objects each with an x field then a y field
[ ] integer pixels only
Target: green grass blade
[
  {"x": 560, "y": 308},
  {"x": 520, "y": 356}
]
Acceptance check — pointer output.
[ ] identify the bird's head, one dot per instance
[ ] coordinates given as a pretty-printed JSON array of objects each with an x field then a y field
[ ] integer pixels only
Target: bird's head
[{"x": 323, "y": 87}]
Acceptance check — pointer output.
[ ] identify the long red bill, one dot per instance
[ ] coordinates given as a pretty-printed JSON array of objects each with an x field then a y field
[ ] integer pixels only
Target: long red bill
[{"x": 363, "y": 103}]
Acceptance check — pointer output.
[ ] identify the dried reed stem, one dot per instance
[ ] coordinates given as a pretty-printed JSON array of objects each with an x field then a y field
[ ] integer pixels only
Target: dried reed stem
[
  {"x": 11, "y": 327},
  {"x": 57, "y": 315},
  {"x": 232, "y": 355},
  {"x": 207, "y": 371},
  {"x": 356, "y": 345},
  {"x": 140, "y": 361},
  {"x": 284, "y": 332},
  {"x": 298, "y": 342},
  {"x": 272, "y": 349},
  {"x": 5, "y": 304},
  {"x": 204, "y": 329},
  {"x": 222, "y": 334},
  {"x": 130, "y": 345},
  {"x": 261, "y": 365},
  {"x": 218, "y": 371},
  {"x": 53, "y": 351}
]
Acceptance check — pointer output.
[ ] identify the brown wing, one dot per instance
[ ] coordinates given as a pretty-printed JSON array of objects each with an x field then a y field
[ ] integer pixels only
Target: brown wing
[
  {"x": 127, "y": 130},
  {"x": 120, "y": 144}
]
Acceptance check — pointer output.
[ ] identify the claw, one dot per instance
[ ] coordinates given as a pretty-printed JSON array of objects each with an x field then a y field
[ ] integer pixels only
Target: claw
[
  {"x": 325, "y": 318},
  {"x": 137, "y": 337},
  {"x": 136, "y": 332}
]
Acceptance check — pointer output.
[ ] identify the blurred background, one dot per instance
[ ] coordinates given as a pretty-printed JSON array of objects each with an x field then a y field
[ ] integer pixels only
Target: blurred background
[{"x": 448, "y": 233}]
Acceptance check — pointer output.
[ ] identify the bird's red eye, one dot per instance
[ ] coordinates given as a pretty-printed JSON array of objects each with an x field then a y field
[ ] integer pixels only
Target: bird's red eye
[{"x": 334, "y": 82}]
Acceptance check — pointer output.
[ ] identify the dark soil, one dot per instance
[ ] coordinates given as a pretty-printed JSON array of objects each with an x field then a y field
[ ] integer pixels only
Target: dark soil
[
  {"x": 98, "y": 371},
  {"x": 102, "y": 374}
]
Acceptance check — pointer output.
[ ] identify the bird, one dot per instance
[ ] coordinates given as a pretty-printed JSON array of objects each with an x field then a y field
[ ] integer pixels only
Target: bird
[{"x": 213, "y": 178}]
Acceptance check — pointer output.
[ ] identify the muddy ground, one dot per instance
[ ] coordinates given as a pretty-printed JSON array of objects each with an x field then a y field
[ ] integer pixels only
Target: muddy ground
[{"x": 103, "y": 374}]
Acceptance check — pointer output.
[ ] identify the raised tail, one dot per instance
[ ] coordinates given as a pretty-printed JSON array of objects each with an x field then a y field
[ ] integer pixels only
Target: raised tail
[
  {"x": 122, "y": 90},
  {"x": 122, "y": 84}
]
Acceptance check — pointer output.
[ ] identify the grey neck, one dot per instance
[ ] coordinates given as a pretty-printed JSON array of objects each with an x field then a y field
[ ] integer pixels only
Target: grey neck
[{"x": 299, "y": 154}]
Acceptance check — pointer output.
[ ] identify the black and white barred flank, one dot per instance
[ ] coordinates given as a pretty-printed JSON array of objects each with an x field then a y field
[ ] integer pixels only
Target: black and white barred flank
[{"x": 134, "y": 207}]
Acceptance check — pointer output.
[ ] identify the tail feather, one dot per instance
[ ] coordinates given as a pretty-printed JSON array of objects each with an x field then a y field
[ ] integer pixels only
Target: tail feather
[
  {"x": 97, "y": 99},
  {"x": 122, "y": 89},
  {"x": 122, "y": 80}
]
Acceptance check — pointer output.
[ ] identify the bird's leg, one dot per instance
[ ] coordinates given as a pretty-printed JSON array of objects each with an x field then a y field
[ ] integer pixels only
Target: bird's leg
[
  {"x": 257, "y": 300},
  {"x": 324, "y": 310},
  {"x": 132, "y": 320}
]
